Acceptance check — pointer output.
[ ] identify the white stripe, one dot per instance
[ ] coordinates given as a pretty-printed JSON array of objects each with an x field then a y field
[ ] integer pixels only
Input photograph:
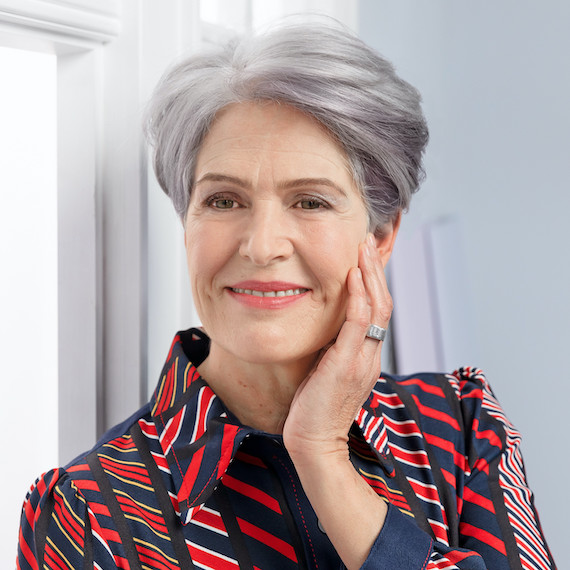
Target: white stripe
[{"x": 207, "y": 550}]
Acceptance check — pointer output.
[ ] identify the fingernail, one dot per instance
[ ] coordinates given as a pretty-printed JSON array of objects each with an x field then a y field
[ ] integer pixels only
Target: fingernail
[{"x": 370, "y": 241}]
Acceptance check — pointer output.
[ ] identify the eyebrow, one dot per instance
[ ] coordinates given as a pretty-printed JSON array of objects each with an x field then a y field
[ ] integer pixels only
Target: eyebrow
[{"x": 288, "y": 184}]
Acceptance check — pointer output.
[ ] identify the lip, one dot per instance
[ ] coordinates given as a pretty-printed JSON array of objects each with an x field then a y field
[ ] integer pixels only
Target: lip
[{"x": 258, "y": 302}]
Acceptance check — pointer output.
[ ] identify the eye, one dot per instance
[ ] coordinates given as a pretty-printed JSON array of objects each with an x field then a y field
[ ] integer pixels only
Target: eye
[
  {"x": 221, "y": 202},
  {"x": 311, "y": 204}
]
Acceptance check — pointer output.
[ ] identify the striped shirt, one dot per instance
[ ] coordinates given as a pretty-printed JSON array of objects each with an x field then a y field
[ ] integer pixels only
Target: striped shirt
[{"x": 182, "y": 484}]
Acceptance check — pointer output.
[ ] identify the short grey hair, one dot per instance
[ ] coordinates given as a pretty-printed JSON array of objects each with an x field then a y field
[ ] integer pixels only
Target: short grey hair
[{"x": 322, "y": 70}]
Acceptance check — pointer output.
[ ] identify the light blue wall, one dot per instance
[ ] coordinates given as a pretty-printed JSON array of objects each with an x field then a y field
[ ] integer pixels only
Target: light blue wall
[{"x": 495, "y": 78}]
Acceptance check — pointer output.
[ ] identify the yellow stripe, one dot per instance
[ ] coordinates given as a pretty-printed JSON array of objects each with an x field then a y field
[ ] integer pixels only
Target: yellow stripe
[
  {"x": 188, "y": 366},
  {"x": 76, "y": 517},
  {"x": 128, "y": 481},
  {"x": 155, "y": 548},
  {"x": 60, "y": 552},
  {"x": 142, "y": 505},
  {"x": 175, "y": 382},
  {"x": 142, "y": 521},
  {"x": 114, "y": 460},
  {"x": 66, "y": 534},
  {"x": 379, "y": 478},
  {"x": 162, "y": 383},
  {"x": 122, "y": 450}
]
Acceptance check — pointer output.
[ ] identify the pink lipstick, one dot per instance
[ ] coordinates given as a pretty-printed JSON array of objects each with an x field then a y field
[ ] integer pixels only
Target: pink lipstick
[{"x": 267, "y": 294}]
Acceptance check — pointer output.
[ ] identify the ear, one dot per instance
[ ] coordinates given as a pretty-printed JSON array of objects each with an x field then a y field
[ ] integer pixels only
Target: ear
[{"x": 386, "y": 237}]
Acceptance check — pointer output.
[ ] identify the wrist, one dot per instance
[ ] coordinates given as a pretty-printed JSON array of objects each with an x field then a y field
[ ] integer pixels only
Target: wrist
[{"x": 319, "y": 454}]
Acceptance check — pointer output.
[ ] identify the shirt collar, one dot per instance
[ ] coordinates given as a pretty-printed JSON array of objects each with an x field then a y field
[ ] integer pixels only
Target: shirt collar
[{"x": 197, "y": 435}]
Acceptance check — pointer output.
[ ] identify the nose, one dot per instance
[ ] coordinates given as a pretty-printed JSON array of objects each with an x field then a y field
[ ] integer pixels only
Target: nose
[{"x": 266, "y": 235}]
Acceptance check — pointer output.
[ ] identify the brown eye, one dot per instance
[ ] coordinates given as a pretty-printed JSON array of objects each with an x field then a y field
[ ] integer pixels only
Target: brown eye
[
  {"x": 223, "y": 204},
  {"x": 309, "y": 204}
]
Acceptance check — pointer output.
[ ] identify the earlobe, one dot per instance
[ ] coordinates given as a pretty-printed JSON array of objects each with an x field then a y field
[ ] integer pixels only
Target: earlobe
[{"x": 386, "y": 237}]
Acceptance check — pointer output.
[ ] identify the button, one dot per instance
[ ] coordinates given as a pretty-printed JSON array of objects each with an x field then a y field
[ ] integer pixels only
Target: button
[{"x": 320, "y": 525}]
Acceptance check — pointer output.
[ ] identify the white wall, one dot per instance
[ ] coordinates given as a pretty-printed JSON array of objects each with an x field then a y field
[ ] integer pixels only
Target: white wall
[
  {"x": 29, "y": 281},
  {"x": 496, "y": 85}
]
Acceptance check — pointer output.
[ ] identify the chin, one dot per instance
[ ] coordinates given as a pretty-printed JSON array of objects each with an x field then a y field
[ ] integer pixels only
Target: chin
[{"x": 265, "y": 346}]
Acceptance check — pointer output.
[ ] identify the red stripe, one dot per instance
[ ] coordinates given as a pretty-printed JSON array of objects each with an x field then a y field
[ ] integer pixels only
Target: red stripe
[
  {"x": 251, "y": 492},
  {"x": 123, "y": 442},
  {"x": 100, "y": 509},
  {"x": 77, "y": 468},
  {"x": 132, "y": 471},
  {"x": 154, "y": 520},
  {"x": 389, "y": 400},
  {"x": 427, "y": 388},
  {"x": 477, "y": 499},
  {"x": 160, "y": 460},
  {"x": 206, "y": 397},
  {"x": 209, "y": 559},
  {"x": 268, "y": 539},
  {"x": 70, "y": 524},
  {"x": 408, "y": 428},
  {"x": 490, "y": 436},
  {"x": 191, "y": 375},
  {"x": 459, "y": 459},
  {"x": 440, "y": 533},
  {"x": 484, "y": 536},
  {"x": 230, "y": 432},
  {"x": 86, "y": 484},
  {"x": 54, "y": 558},
  {"x": 211, "y": 519},
  {"x": 417, "y": 458},
  {"x": 455, "y": 556},
  {"x": 191, "y": 474},
  {"x": 148, "y": 428},
  {"x": 449, "y": 477},
  {"x": 435, "y": 414},
  {"x": 381, "y": 489},
  {"x": 251, "y": 459},
  {"x": 425, "y": 492},
  {"x": 31, "y": 514},
  {"x": 168, "y": 437},
  {"x": 481, "y": 465},
  {"x": 156, "y": 559},
  {"x": 26, "y": 551},
  {"x": 168, "y": 389}
]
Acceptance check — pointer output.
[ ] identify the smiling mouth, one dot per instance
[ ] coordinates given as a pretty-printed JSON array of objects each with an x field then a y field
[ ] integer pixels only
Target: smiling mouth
[{"x": 285, "y": 293}]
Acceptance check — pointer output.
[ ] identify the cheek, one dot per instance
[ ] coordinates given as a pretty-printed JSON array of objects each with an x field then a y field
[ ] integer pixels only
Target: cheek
[{"x": 339, "y": 250}]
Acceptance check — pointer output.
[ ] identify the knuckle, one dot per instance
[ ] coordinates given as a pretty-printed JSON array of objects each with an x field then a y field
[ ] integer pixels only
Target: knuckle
[{"x": 385, "y": 311}]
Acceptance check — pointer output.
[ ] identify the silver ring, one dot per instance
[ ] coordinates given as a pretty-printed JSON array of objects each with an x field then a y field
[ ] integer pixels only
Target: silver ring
[{"x": 376, "y": 332}]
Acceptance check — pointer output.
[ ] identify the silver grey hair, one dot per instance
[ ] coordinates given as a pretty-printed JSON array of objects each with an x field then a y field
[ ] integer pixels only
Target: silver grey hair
[{"x": 322, "y": 70}]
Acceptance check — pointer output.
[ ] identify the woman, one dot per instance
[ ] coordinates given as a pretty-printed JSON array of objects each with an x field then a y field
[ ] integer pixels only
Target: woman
[{"x": 271, "y": 440}]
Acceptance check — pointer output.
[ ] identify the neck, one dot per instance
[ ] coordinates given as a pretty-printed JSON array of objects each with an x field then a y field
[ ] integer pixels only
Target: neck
[{"x": 258, "y": 394}]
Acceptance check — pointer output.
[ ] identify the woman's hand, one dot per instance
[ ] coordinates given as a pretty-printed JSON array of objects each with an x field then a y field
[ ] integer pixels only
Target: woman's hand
[
  {"x": 329, "y": 399},
  {"x": 324, "y": 407}
]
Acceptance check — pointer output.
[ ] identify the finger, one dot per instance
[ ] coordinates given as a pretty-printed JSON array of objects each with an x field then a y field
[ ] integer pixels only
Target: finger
[
  {"x": 357, "y": 320},
  {"x": 375, "y": 283},
  {"x": 352, "y": 336},
  {"x": 352, "y": 352}
]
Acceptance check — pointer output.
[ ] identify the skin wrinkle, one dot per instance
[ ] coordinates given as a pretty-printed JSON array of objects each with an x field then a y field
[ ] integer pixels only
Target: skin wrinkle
[
  {"x": 265, "y": 175},
  {"x": 267, "y": 359}
]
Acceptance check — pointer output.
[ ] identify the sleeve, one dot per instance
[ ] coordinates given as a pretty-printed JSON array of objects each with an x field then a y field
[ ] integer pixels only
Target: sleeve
[
  {"x": 499, "y": 527},
  {"x": 497, "y": 517},
  {"x": 402, "y": 545},
  {"x": 56, "y": 528}
]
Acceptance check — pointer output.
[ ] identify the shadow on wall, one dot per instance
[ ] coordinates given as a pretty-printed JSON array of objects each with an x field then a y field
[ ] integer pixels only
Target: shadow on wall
[{"x": 433, "y": 308}]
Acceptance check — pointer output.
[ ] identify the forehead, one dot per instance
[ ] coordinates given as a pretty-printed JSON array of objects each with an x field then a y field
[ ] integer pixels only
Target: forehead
[{"x": 267, "y": 132}]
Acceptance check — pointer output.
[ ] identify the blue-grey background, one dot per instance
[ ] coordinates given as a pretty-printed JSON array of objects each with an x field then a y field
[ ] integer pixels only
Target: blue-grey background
[{"x": 495, "y": 79}]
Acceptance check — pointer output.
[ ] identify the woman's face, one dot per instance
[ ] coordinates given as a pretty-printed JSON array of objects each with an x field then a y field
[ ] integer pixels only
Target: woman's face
[{"x": 272, "y": 229}]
